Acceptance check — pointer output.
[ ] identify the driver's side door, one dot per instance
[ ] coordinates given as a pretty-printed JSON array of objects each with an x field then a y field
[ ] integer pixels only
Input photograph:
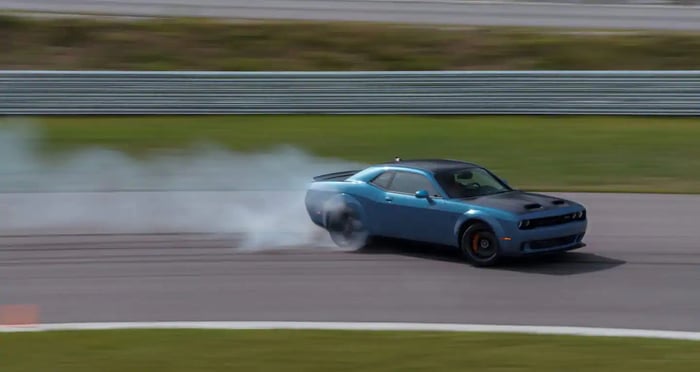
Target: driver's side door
[{"x": 409, "y": 217}]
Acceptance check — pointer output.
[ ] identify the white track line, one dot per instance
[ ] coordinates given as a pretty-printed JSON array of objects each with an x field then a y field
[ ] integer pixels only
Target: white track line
[{"x": 365, "y": 326}]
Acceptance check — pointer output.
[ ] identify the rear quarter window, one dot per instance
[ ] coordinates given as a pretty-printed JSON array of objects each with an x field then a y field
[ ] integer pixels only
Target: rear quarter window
[{"x": 383, "y": 180}]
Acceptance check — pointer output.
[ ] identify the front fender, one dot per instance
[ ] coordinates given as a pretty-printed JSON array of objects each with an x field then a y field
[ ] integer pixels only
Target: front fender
[{"x": 475, "y": 215}]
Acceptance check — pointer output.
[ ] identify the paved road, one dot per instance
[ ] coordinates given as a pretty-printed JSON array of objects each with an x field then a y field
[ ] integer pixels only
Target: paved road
[
  {"x": 405, "y": 11},
  {"x": 641, "y": 269}
]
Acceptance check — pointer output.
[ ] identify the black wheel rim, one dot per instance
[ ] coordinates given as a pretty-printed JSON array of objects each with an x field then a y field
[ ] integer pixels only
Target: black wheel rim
[
  {"x": 482, "y": 246},
  {"x": 348, "y": 226},
  {"x": 348, "y": 230}
]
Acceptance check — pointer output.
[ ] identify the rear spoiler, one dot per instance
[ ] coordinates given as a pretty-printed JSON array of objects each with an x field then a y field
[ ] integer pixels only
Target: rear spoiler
[{"x": 335, "y": 175}]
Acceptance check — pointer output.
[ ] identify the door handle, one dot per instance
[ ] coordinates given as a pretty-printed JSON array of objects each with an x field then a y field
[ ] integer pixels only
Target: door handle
[{"x": 388, "y": 198}]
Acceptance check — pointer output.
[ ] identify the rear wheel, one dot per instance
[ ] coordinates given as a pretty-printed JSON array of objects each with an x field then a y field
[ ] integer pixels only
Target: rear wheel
[
  {"x": 480, "y": 246},
  {"x": 347, "y": 229}
]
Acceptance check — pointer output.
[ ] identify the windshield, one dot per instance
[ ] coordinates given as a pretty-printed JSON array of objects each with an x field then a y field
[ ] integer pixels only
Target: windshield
[{"x": 470, "y": 182}]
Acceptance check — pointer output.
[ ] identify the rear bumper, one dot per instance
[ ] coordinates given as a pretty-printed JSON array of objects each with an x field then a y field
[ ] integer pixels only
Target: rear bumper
[
  {"x": 313, "y": 202},
  {"x": 544, "y": 240}
]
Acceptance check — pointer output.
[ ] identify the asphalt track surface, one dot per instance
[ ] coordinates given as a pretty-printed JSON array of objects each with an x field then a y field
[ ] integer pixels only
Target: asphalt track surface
[
  {"x": 641, "y": 269},
  {"x": 491, "y": 13}
]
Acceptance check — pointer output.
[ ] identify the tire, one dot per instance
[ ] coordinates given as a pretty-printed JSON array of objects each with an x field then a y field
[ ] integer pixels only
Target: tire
[
  {"x": 479, "y": 245},
  {"x": 347, "y": 230}
]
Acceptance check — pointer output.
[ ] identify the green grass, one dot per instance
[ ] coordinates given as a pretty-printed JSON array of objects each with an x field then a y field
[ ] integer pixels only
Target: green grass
[
  {"x": 193, "y": 44},
  {"x": 542, "y": 153},
  {"x": 323, "y": 351}
]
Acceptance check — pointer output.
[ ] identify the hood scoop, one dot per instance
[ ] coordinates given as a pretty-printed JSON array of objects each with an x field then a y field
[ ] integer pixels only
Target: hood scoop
[
  {"x": 532, "y": 206},
  {"x": 558, "y": 202}
]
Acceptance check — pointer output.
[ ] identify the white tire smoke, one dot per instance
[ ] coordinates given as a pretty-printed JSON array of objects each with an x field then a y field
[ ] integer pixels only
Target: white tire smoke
[{"x": 258, "y": 196}]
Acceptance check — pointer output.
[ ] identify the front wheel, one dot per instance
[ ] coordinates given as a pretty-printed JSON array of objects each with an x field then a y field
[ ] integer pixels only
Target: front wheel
[{"x": 480, "y": 246}]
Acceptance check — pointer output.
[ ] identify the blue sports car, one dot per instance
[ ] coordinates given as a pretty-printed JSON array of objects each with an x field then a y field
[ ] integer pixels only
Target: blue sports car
[{"x": 443, "y": 202}]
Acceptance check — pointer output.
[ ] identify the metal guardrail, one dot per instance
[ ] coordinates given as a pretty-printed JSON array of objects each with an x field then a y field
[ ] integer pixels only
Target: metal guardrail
[{"x": 445, "y": 92}]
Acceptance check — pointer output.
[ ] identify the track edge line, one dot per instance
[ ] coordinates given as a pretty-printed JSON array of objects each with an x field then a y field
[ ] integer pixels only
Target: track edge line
[{"x": 360, "y": 326}]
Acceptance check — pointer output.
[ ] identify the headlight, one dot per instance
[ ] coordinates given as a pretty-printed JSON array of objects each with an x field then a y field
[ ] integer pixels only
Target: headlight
[{"x": 524, "y": 224}]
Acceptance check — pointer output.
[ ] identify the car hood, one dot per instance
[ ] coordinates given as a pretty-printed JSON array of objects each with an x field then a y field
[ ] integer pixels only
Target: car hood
[{"x": 519, "y": 202}]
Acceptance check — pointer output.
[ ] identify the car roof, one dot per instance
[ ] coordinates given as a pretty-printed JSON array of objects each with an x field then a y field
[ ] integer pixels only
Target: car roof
[{"x": 431, "y": 165}]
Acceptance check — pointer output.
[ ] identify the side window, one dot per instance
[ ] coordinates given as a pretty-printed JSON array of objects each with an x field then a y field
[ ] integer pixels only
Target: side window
[
  {"x": 383, "y": 180},
  {"x": 409, "y": 183}
]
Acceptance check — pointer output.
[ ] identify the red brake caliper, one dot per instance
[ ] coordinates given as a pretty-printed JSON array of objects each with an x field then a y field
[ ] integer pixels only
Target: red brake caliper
[{"x": 475, "y": 243}]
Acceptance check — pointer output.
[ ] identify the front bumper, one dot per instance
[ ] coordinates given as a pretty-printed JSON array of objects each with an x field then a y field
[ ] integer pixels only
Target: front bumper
[{"x": 544, "y": 239}]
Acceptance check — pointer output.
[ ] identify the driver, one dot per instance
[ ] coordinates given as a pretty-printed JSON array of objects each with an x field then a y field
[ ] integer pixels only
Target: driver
[
  {"x": 464, "y": 181},
  {"x": 465, "y": 178},
  {"x": 460, "y": 184}
]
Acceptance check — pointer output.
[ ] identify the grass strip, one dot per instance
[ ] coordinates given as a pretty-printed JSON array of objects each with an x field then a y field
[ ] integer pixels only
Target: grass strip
[
  {"x": 620, "y": 154},
  {"x": 282, "y": 350},
  {"x": 196, "y": 44}
]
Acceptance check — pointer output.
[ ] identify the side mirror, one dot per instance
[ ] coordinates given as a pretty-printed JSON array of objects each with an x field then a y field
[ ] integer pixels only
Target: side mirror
[{"x": 422, "y": 194}]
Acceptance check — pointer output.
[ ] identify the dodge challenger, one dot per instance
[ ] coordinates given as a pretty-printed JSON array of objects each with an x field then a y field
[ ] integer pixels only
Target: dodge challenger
[{"x": 445, "y": 202}]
